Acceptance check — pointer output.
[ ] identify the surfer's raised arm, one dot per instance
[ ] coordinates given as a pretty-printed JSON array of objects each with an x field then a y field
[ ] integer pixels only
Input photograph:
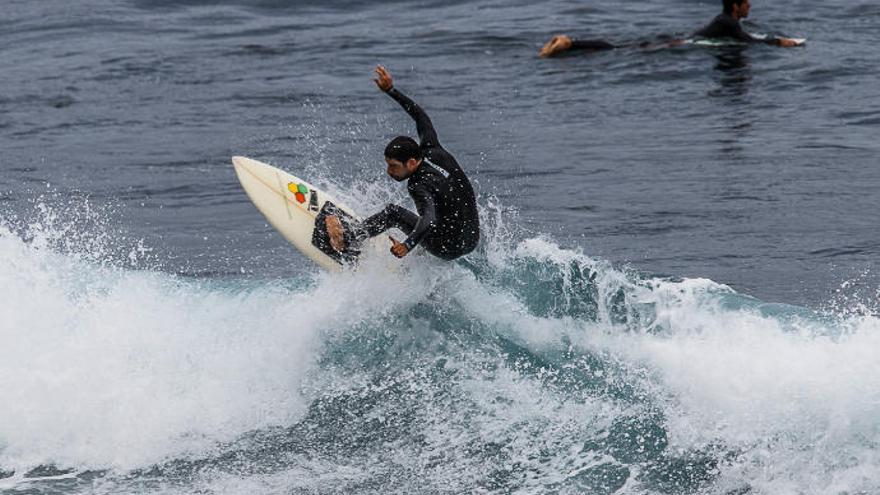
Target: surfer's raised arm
[{"x": 427, "y": 134}]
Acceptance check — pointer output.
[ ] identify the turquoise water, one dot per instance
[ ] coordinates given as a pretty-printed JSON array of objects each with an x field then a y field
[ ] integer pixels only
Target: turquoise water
[{"x": 528, "y": 369}]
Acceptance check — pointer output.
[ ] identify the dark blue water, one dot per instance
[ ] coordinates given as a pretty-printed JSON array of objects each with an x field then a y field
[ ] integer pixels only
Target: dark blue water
[{"x": 675, "y": 291}]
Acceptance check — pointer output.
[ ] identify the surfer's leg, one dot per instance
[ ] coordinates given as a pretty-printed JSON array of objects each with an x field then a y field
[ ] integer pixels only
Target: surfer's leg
[
  {"x": 392, "y": 216},
  {"x": 563, "y": 43},
  {"x": 591, "y": 45}
]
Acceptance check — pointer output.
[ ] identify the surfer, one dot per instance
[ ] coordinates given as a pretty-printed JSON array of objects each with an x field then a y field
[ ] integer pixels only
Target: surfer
[
  {"x": 447, "y": 223},
  {"x": 725, "y": 26}
]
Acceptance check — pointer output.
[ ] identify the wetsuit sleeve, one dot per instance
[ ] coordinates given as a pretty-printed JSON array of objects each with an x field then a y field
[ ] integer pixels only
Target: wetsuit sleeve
[
  {"x": 737, "y": 32},
  {"x": 741, "y": 34},
  {"x": 725, "y": 26},
  {"x": 427, "y": 134},
  {"x": 427, "y": 215}
]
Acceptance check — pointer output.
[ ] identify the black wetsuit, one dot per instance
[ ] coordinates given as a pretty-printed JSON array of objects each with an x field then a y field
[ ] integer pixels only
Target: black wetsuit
[
  {"x": 724, "y": 26},
  {"x": 447, "y": 223},
  {"x": 591, "y": 45}
]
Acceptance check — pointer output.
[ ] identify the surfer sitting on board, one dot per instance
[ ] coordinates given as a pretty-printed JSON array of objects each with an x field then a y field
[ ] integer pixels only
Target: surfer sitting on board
[
  {"x": 725, "y": 26},
  {"x": 447, "y": 223}
]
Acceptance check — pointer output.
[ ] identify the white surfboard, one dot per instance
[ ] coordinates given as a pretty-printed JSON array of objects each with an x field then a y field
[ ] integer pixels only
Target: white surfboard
[
  {"x": 797, "y": 41},
  {"x": 295, "y": 208},
  {"x": 727, "y": 42}
]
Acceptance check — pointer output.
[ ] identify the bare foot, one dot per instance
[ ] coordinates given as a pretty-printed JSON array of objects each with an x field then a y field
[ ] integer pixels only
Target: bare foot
[
  {"x": 335, "y": 230},
  {"x": 557, "y": 44}
]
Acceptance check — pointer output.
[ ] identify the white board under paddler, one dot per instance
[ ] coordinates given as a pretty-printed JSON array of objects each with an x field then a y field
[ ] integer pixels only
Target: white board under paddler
[{"x": 294, "y": 208}]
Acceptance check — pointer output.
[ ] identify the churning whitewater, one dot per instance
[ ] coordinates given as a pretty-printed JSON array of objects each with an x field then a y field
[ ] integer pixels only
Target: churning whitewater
[{"x": 529, "y": 368}]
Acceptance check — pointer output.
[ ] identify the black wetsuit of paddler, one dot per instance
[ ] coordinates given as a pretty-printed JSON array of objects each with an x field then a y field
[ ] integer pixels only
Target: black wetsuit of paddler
[
  {"x": 447, "y": 223},
  {"x": 724, "y": 26}
]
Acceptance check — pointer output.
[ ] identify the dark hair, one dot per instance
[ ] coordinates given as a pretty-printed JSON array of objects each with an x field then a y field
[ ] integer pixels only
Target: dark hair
[
  {"x": 402, "y": 148},
  {"x": 728, "y": 5}
]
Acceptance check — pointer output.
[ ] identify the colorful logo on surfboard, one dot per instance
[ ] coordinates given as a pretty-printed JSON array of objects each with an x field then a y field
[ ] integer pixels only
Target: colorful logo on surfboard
[{"x": 299, "y": 191}]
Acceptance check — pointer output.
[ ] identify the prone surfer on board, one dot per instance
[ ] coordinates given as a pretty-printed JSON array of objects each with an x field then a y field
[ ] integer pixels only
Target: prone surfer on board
[
  {"x": 447, "y": 223},
  {"x": 725, "y": 26}
]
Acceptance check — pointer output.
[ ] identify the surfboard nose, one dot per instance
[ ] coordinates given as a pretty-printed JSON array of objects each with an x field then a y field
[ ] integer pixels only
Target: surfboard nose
[
  {"x": 238, "y": 161},
  {"x": 243, "y": 163}
]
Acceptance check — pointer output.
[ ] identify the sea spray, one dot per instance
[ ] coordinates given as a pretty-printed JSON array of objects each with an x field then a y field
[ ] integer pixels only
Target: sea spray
[{"x": 522, "y": 368}]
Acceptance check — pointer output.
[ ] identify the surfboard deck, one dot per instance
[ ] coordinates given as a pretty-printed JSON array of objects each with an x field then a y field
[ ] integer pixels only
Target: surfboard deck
[
  {"x": 296, "y": 209},
  {"x": 725, "y": 42}
]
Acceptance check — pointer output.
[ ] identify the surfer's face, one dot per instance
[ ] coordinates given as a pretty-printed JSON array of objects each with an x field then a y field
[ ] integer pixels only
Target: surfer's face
[
  {"x": 398, "y": 170},
  {"x": 741, "y": 11}
]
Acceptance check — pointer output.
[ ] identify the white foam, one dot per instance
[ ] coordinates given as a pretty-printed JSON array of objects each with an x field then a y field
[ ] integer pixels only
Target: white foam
[
  {"x": 103, "y": 367},
  {"x": 797, "y": 397}
]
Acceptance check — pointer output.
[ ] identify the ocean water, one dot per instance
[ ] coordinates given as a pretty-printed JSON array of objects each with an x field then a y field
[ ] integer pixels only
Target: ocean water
[{"x": 675, "y": 293}]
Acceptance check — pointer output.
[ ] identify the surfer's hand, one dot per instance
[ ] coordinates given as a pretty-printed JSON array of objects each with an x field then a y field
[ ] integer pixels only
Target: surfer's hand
[
  {"x": 383, "y": 79},
  {"x": 557, "y": 44},
  {"x": 786, "y": 42},
  {"x": 398, "y": 248}
]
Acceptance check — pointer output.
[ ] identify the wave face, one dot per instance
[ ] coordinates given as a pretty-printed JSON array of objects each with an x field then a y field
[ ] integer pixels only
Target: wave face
[{"x": 526, "y": 369}]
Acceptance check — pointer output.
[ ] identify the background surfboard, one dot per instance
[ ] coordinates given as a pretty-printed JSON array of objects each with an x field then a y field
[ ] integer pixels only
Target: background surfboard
[
  {"x": 726, "y": 42},
  {"x": 296, "y": 209}
]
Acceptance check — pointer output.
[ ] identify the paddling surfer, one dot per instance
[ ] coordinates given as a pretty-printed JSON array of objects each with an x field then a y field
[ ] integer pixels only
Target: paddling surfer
[{"x": 725, "y": 26}]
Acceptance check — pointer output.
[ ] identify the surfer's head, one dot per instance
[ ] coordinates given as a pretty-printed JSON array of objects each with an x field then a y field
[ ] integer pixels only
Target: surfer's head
[
  {"x": 739, "y": 9},
  {"x": 403, "y": 156}
]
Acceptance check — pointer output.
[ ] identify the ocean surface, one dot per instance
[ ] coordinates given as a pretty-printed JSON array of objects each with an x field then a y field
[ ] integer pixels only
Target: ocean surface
[{"x": 676, "y": 291}]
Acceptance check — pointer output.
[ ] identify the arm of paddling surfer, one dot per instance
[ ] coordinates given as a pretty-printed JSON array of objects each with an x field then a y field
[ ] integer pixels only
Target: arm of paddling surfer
[
  {"x": 735, "y": 31},
  {"x": 728, "y": 25}
]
